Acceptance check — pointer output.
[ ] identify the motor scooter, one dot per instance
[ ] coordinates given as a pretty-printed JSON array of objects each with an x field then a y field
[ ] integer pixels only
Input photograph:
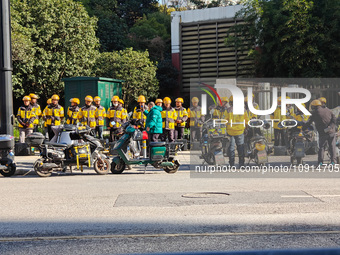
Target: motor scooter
[
  {"x": 256, "y": 145},
  {"x": 74, "y": 146},
  {"x": 161, "y": 154},
  {"x": 214, "y": 143},
  {"x": 7, "y": 163}
]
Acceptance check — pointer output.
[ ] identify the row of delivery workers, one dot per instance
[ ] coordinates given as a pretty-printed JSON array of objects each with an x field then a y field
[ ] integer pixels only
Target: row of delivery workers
[
  {"x": 94, "y": 115},
  {"x": 174, "y": 119}
]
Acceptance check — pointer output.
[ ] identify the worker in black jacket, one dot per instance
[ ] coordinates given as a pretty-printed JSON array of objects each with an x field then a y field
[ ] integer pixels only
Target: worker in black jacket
[{"x": 325, "y": 123}]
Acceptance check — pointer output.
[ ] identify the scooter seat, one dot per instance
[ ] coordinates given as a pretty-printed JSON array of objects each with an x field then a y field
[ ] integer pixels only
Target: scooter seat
[
  {"x": 157, "y": 144},
  {"x": 57, "y": 145}
]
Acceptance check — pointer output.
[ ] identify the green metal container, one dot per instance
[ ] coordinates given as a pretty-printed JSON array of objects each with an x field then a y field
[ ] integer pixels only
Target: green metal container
[
  {"x": 158, "y": 153},
  {"x": 80, "y": 87}
]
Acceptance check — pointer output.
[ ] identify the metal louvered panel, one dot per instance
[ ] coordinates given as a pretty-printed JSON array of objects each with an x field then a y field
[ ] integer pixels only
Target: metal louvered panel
[{"x": 203, "y": 53}]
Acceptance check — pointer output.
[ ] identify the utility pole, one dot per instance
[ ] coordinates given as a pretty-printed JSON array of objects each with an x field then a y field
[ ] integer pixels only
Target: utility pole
[{"x": 6, "y": 68}]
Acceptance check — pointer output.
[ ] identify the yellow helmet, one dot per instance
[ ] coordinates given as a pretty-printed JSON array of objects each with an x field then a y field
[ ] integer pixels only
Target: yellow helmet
[
  {"x": 55, "y": 97},
  {"x": 33, "y": 96},
  {"x": 141, "y": 99},
  {"x": 121, "y": 101},
  {"x": 89, "y": 98},
  {"x": 179, "y": 99},
  {"x": 158, "y": 100},
  {"x": 49, "y": 101},
  {"x": 225, "y": 99},
  {"x": 115, "y": 98},
  {"x": 97, "y": 98},
  {"x": 287, "y": 97},
  {"x": 279, "y": 99},
  {"x": 195, "y": 100},
  {"x": 316, "y": 102},
  {"x": 231, "y": 98},
  {"x": 167, "y": 100},
  {"x": 322, "y": 100},
  {"x": 75, "y": 100},
  {"x": 26, "y": 98}
]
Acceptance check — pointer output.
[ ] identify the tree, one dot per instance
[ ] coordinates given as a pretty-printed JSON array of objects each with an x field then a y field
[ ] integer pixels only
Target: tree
[
  {"x": 52, "y": 39},
  {"x": 133, "y": 10},
  {"x": 152, "y": 33},
  {"x": 295, "y": 38},
  {"x": 167, "y": 76},
  {"x": 112, "y": 29},
  {"x": 135, "y": 68},
  {"x": 115, "y": 18}
]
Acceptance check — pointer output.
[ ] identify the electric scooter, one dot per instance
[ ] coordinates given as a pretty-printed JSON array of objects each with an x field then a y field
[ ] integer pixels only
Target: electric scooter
[{"x": 161, "y": 154}]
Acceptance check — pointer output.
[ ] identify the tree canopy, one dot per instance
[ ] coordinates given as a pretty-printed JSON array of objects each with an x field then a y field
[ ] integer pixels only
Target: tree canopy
[
  {"x": 135, "y": 68},
  {"x": 52, "y": 39},
  {"x": 295, "y": 38}
]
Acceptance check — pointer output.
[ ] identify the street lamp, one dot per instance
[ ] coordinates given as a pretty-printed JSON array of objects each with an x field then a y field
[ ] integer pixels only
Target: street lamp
[{"x": 6, "y": 68}]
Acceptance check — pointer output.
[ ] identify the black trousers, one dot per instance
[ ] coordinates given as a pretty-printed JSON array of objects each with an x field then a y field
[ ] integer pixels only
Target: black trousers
[
  {"x": 279, "y": 136},
  {"x": 179, "y": 133},
  {"x": 323, "y": 141},
  {"x": 153, "y": 137},
  {"x": 168, "y": 133},
  {"x": 195, "y": 133},
  {"x": 50, "y": 132}
]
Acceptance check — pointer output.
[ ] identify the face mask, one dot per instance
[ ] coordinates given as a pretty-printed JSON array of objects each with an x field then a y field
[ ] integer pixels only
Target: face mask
[{"x": 115, "y": 105}]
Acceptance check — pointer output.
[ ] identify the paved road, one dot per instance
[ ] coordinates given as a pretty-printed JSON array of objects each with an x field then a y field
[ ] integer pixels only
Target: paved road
[{"x": 135, "y": 212}]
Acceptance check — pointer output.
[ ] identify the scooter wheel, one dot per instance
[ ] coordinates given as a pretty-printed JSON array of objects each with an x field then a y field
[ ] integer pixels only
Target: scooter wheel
[
  {"x": 9, "y": 171},
  {"x": 118, "y": 168},
  {"x": 102, "y": 166},
  {"x": 39, "y": 171},
  {"x": 171, "y": 170}
]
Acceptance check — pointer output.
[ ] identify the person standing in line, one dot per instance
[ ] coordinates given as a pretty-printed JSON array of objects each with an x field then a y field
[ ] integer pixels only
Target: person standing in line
[
  {"x": 26, "y": 117},
  {"x": 100, "y": 115},
  {"x": 36, "y": 109}
]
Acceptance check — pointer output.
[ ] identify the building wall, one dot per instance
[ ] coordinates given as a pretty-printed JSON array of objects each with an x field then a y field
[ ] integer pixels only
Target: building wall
[{"x": 198, "y": 49}]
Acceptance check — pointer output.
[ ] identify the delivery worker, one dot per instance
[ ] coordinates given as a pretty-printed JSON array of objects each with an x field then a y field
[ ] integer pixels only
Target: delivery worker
[
  {"x": 53, "y": 115},
  {"x": 290, "y": 110},
  {"x": 169, "y": 117},
  {"x": 159, "y": 102},
  {"x": 219, "y": 110},
  {"x": 300, "y": 117},
  {"x": 116, "y": 116},
  {"x": 182, "y": 117},
  {"x": 236, "y": 125},
  {"x": 87, "y": 113},
  {"x": 279, "y": 133},
  {"x": 36, "y": 109},
  {"x": 26, "y": 117},
  {"x": 121, "y": 104},
  {"x": 323, "y": 101},
  {"x": 73, "y": 111},
  {"x": 325, "y": 123},
  {"x": 100, "y": 115},
  {"x": 138, "y": 111},
  {"x": 154, "y": 122},
  {"x": 196, "y": 120}
]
